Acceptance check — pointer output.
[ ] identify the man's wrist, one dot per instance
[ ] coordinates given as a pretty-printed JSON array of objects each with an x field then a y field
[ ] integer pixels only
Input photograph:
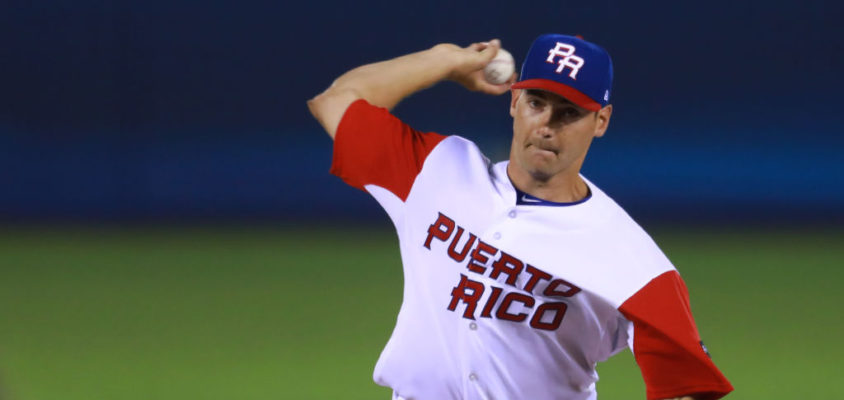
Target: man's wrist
[{"x": 449, "y": 56}]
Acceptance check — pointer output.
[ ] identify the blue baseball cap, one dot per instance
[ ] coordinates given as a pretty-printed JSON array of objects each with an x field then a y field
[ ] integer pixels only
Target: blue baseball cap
[{"x": 571, "y": 67}]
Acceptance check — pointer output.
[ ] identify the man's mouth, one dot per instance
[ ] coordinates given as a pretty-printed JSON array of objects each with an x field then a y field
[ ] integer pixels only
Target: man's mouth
[{"x": 542, "y": 147}]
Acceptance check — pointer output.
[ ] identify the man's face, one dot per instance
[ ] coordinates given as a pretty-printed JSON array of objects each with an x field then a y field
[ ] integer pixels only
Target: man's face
[{"x": 551, "y": 135}]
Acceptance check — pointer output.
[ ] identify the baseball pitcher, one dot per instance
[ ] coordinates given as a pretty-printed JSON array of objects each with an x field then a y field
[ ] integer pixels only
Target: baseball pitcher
[{"x": 520, "y": 275}]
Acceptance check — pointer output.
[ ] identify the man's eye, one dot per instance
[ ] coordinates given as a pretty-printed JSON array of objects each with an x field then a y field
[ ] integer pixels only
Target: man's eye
[{"x": 571, "y": 112}]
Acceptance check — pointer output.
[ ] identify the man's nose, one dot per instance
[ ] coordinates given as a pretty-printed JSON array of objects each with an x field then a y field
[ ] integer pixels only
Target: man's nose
[
  {"x": 546, "y": 131},
  {"x": 548, "y": 118},
  {"x": 550, "y": 122}
]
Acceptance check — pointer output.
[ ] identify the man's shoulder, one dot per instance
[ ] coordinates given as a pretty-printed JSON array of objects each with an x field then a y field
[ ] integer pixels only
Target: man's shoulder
[
  {"x": 460, "y": 142},
  {"x": 458, "y": 168},
  {"x": 624, "y": 235},
  {"x": 456, "y": 150}
]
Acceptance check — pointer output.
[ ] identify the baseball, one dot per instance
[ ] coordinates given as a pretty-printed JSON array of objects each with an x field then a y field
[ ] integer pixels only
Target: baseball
[{"x": 501, "y": 68}]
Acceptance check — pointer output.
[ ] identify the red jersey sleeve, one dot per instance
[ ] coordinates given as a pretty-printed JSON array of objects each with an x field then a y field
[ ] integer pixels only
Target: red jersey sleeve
[
  {"x": 374, "y": 147},
  {"x": 667, "y": 345}
]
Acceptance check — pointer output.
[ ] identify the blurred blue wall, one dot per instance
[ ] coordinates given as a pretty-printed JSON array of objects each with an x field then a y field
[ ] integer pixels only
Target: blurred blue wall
[{"x": 154, "y": 110}]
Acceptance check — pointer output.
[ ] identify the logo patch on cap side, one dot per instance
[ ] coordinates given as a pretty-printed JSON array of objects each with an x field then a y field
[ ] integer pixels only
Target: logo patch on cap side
[{"x": 567, "y": 59}]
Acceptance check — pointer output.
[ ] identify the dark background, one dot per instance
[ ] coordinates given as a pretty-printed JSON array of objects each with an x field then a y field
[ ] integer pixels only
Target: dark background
[{"x": 172, "y": 111}]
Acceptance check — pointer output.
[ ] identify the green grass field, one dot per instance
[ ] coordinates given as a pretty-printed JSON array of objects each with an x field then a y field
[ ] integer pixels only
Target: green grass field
[{"x": 240, "y": 313}]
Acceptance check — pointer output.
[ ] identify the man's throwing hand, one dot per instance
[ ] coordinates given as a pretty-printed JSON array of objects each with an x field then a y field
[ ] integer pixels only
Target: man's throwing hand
[{"x": 469, "y": 66}]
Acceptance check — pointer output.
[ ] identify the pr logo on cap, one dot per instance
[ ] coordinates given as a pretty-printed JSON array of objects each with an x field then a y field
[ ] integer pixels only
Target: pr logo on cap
[{"x": 568, "y": 59}]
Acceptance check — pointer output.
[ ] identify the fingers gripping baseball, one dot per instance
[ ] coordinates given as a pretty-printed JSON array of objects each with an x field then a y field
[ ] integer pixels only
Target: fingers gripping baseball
[{"x": 470, "y": 70}]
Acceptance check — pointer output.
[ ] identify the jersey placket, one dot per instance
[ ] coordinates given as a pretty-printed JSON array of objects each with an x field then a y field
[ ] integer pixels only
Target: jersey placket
[{"x": 477, "y": 368}]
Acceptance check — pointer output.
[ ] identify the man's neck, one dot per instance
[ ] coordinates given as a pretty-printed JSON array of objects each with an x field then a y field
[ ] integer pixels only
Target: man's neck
[{"x": 565, "y": 187}]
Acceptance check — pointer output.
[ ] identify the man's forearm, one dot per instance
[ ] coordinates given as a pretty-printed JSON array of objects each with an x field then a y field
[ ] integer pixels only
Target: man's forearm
[{"x": 386, "y": 83}]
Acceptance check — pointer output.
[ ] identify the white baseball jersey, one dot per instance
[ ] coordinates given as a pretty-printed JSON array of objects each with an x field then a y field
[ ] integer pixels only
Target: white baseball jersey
[{"x": 506, "y": 299}]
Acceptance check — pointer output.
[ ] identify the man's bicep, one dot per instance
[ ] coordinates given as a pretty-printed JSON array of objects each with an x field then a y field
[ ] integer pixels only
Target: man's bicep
[
  {"x": 329, "y": 106},
  {"x": 373, "y": 147}
]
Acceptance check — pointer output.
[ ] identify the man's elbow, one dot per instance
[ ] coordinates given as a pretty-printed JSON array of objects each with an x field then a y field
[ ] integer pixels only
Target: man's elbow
[
  {"x": 329, "y": 106},
  {"x": 316, "y": 105}
]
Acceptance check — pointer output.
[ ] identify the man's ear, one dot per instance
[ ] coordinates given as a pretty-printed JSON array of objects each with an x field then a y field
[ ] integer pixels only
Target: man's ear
[
  {"x": 514, "y": 97},
  {"x": 603, "y": 116}
]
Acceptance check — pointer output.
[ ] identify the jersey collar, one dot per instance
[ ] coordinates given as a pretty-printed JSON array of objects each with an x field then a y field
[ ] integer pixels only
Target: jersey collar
[{"x": 524, "y": 199}]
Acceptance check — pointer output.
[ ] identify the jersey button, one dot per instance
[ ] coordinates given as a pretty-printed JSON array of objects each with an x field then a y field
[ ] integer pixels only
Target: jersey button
[
  {"x": 512, "y": 213},
  {"x": 496, "y": 235},
  {"x": 473, "y": 326},
  {"x": 473, "y": 377}
]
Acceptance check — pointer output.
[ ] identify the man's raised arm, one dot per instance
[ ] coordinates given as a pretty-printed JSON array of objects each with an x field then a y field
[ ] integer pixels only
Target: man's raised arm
[{"x": 386, "y": 83}]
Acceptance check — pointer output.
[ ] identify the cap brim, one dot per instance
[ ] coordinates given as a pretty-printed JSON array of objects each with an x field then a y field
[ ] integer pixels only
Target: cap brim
[{"x": 573, "y": 95}]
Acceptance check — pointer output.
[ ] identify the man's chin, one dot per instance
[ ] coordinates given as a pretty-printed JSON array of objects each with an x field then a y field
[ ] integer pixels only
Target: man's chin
[
  {"x": 538, "y": 171},
  {"x": 540, "y": 175}
]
